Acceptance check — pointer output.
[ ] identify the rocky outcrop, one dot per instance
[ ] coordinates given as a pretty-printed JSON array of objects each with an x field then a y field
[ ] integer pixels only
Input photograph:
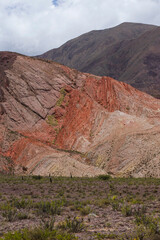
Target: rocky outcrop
[{"x": 56, "y": 120}]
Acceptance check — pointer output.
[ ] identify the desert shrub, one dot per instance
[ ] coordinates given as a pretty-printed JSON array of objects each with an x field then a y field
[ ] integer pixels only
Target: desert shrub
[
  {"x": 9, "y": 213},
  {"x": 50, "y": 208},
  {"x": 74, "y": 225},
  {"x": 100, "y": 236},
  {"x": 115, "y": 205},
  {"x": 127, "y": 210},
  {"x": 140, "y": 233},
  {"x": 21, "y": 203},
  {"x": 152, "y": 224},
  {"x": 37, "y": 177},
  {"x": 85, "y": 210},
  {"x": 22, "y": 216},
  {"x": 104, "y": 177},
  {"x": 139, "y": 210},
  {"x": 143, "y": 219},
  {"x": 38, "y": 234},
  {"x": 77, "y": 205},
  {"x": 48, "y": 224},
  {"x": 102, "y": 202}
]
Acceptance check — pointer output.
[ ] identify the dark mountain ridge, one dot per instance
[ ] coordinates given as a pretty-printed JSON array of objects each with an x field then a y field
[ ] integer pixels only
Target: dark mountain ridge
[{"x": 128, "y": 52}]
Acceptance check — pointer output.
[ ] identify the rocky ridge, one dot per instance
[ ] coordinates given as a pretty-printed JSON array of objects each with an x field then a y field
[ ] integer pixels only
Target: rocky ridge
[
  {"x": 128, "y": 52},
  {"x": 56, "y": 120}
]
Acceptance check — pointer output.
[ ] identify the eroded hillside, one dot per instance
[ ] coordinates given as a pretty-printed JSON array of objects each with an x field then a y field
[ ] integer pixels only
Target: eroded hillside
[{"x": 56, "y": 120}]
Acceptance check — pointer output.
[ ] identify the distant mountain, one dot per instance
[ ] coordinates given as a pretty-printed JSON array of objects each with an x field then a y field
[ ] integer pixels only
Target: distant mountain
[
  {"x": 59, "y": 121},
  {"x": 129, "y": 52}
]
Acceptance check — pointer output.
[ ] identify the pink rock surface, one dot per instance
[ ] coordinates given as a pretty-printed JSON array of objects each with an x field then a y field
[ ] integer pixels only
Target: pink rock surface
[{"x": 105, "y": 125}]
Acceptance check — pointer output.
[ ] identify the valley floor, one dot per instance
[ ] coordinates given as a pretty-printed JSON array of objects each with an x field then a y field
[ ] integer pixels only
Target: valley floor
[{"x": 79, "y": 208}]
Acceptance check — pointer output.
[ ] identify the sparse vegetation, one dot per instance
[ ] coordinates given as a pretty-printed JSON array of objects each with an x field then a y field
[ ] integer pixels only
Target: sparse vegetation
[
  {"x": 74, "y": 225},
  {"x": 51, "y": 120},
  {"x": 62, "y": 96},
  {"x": 38, "y": 234},
  {"x": 99, "y": 208},
  {"x": 104, "y": 177},
  {"x": 48, "y": 208}
]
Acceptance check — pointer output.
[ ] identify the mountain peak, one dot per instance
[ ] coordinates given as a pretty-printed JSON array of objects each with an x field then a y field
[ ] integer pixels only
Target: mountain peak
[{"x": 118, "y": 52}]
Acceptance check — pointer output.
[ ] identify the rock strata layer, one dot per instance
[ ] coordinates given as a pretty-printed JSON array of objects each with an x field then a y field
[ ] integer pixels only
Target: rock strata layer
[{"x": 56, "y": 120}]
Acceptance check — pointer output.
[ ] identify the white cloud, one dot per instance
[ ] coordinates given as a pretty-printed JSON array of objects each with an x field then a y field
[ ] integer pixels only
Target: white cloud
[{"x": 35, "y": 26}]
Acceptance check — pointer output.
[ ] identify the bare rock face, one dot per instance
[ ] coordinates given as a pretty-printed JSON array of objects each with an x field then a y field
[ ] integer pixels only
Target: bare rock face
[{"x": 56, "y": 120}]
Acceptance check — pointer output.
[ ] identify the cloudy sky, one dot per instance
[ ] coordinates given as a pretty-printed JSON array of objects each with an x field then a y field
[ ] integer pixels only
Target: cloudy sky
[{"x": 34, "y": 26}]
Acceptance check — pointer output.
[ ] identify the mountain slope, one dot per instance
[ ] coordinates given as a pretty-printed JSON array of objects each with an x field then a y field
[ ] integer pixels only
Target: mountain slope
[
  {"x": 56, "y": 120},
  {"x": 128, "y": 52}
]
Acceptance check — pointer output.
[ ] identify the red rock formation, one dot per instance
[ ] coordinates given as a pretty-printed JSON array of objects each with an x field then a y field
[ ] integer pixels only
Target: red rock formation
[{"x": 46, "y": 106}]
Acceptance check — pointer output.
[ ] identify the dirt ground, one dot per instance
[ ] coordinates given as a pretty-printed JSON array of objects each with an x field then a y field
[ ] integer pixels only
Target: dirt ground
[{"x": 89, "y": 208}]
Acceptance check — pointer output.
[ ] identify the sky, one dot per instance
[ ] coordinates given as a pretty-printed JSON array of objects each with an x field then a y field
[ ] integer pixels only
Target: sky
[{"x": 33, "y": 27}]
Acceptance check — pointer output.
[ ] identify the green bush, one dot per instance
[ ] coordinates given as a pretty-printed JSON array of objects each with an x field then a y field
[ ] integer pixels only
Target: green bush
[
  {"x": 49, "y": 208},
  {"x": 62, "y": 96},
  {"x": 51, "y": 120},
  {"x": 9, "y": 213},
  {"x": 20, "y": 203},
  {"x": 37, "y": 177},
  {"x": 104, "y": 177},
  {"x": 102, "y": 202},
  {"x": 150, "y": 223},
  {"x": 74, "y": 225},
  {"x": 22, "y": 216},
  {"x": 127, "y": 210},
  {"x": 85, "y": 210}
]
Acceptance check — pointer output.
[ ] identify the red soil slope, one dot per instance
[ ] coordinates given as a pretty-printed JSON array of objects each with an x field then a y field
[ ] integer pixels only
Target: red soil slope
[{"x": 49, "y": 112}]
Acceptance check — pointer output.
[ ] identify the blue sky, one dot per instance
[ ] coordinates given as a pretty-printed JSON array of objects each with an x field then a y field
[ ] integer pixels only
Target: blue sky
[
  {"x": 55, "y": 2},
  {"x": 32, "y": 27}
]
